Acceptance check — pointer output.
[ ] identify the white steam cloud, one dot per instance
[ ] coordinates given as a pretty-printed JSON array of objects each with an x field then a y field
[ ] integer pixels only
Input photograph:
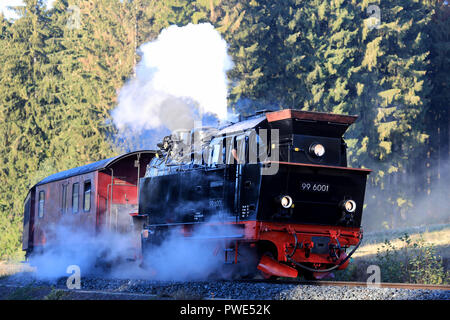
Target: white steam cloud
[
  {"x": 199, "y": 256},
  {"x": 180, "y": 79},
  {"x": 111, "y": 254},
  {"x": 182, "y": 76},
  {"x": 70, "y": 244}
]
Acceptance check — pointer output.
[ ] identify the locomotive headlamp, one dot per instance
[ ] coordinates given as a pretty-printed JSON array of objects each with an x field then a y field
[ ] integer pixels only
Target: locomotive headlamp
[
  {"x": 317, "y": 149},
  {"x": 286, "y": 202},
  {"x": 349, "y": 206}
]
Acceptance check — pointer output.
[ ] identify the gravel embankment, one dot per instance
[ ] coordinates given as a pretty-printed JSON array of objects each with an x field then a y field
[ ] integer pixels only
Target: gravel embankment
[{"x": 143, "y": 289}]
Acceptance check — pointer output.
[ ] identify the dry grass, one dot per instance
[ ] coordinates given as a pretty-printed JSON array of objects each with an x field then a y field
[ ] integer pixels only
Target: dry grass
[
  {"x": 9, "y": 268},
  {"x": 440, "y": 238},
  {"x": 437, "y": 237}
]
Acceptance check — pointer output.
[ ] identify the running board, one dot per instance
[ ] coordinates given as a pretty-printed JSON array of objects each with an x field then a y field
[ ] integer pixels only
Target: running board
[{"x": 216, "y": 237}]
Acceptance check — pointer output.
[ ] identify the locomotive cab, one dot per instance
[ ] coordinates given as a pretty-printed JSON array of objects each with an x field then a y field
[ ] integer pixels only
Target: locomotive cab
[{"x": 314, "y": 184}]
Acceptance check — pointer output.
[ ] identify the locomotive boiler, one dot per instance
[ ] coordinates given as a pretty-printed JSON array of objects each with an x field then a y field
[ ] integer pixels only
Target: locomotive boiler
[{"x": 279, "y": 178}]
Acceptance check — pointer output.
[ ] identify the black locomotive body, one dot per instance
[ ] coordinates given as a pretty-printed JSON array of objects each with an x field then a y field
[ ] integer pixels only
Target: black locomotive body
[{"x": 280, "y": 177}]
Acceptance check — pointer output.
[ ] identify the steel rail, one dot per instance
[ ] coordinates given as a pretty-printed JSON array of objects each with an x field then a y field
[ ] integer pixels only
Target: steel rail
[{"x": 410, "y": 286}]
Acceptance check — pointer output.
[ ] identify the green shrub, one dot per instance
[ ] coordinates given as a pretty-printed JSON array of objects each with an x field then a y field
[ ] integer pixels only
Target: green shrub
[
  {"x": 56, "y": 294},
  {"x": 24, "y": 293},
  {"x": 413, "y": 262}
]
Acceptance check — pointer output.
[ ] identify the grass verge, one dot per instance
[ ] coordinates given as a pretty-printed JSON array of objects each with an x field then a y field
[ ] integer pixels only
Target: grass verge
[{"x": 422, "y": 257}]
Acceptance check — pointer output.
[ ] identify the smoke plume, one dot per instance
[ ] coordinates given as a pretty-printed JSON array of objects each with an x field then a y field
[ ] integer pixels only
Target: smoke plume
[
  {"x": 429, "y": 206},
  {"x": 69, "y": 243},
  {"x": 181, "y": 77},
  {"x": 199, "y": 256}
]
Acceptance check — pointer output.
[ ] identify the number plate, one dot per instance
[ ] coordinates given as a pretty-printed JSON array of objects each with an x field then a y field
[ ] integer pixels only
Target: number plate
[{"x": 314, "y": 187}]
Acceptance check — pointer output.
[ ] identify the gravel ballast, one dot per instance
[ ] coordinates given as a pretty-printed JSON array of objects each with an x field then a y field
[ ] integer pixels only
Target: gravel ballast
[{"x": 230, "y": 289}]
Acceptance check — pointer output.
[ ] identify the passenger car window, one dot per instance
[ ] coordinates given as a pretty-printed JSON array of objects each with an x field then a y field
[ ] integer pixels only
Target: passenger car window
[
  {"x": 87, "y": 196},
  {"x": 41, "y": 204},
  {"x": 75, "y": 197},
  {"x": 64, "y": 198}
]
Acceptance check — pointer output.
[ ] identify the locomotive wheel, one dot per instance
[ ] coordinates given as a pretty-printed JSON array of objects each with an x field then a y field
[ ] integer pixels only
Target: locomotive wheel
[
  {"x": 308, "y": 275},
  {"x": 244, "y": 269},
  {"x": 254, "y": 256},
  {"x": 229, "y": 272}
]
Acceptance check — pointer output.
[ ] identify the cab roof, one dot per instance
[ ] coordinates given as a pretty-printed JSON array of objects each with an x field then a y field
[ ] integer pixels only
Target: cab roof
[{"x": 303, "y": 122}]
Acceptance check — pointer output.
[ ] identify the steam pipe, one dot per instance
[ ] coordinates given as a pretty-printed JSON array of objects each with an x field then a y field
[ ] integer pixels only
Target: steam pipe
[{"x": 295, "y": 247}]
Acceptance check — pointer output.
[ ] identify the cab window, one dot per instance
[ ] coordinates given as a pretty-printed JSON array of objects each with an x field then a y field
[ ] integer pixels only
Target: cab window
[
  {"x": 216, "y": 152},
  {"x": 241, "y": 149},
  {"x": 230, "y": 142},
  {"x": 257, "y": 148}
]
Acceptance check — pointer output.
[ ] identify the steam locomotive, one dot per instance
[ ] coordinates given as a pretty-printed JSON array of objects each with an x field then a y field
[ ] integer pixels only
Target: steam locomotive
[
  {"x": 279, "y": 179},
  {"x": 292, "y": 198}
]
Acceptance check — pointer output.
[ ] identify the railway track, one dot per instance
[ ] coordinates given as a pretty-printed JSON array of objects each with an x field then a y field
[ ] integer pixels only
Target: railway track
[
  {"x": 249, "y": 289},
  {"x": 410, "y": 286}
]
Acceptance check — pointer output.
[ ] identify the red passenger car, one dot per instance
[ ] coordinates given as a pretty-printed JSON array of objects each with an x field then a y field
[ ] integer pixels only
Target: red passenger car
[{"x": 96, "y": 197}]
